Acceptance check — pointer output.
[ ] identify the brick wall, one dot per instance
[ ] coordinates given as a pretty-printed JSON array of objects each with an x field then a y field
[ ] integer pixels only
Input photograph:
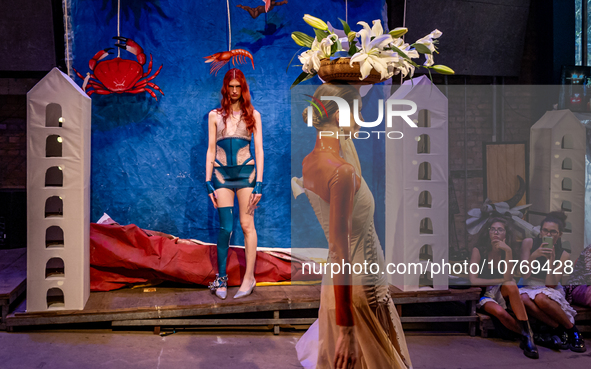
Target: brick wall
[
  {"x": 13, "y": 141},
  {"x": 471, "y": 125}
]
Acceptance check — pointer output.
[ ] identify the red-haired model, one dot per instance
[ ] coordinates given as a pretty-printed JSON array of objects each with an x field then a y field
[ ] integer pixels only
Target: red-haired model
[{"x": 231, "y": 169}]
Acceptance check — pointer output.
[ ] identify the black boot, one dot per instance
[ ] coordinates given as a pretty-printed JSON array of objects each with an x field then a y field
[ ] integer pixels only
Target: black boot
[
  {"x": 527, "y": 341},
  {"x": 575, "y": 340}
]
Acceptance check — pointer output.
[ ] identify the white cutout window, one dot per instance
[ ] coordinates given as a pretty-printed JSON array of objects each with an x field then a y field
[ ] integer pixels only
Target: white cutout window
[
  {"x": 424, "y": 144},
  {"x": 54, "y": 237},
  {"x": 55, "y": 298},
  {"x": 566, "y": 206},
  {"x": 425, "y": 199},
  {"x": 567, "y": 184},
  {"x": 54, "y": 177},
  {"x": 426, "y": 253},
  {"x": 53, "y": 115},
  {"x": 424, "y": 171},
  {"x": 567, "y": 142},
  {"x": 426, "y": 226},
  {"x": 53, "y": 146},
  {"x": 567, "y": 164},
  {"x": 424, "y": 118},
  {"x": 54, "y": 207},
  {"x": 55, "y": 268}
]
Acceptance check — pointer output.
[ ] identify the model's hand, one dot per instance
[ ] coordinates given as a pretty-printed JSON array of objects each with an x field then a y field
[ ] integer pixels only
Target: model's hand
[
  {"x": 252, "y": 203},
  {"x": 214, "y": 200},
  {"x": 346, "y": 349}
]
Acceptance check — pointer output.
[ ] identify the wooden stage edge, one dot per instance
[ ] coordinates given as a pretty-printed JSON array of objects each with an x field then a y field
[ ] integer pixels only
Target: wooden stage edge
[
  {"x": 13, "y": 280},
  {"x": 184, "y": 307}
]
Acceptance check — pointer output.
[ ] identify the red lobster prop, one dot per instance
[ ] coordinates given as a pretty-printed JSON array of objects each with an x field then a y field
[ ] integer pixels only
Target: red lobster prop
[
  {"x": 120, "y": 75},
  {"x": 220, "y": 59}
]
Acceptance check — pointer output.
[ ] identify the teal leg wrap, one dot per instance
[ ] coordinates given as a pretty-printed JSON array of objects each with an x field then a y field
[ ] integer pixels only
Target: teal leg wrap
[{"x": 226, "y": 221}]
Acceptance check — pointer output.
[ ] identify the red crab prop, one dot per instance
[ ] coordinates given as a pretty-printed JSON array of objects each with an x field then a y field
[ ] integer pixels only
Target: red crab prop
[{"x": 120, "y": 75}]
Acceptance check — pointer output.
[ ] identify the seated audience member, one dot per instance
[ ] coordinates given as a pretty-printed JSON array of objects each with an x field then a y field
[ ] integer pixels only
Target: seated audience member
[
  {"x": 493, "y": 245},
  {"x": 542, "y": 295}
]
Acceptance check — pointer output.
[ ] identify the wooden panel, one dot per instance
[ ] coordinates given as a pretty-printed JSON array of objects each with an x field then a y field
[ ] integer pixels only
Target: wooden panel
[
  {"x": 13, "y": 274},
  {"x": 212, "y": 322},
  {"x": 504, "y": 162}
]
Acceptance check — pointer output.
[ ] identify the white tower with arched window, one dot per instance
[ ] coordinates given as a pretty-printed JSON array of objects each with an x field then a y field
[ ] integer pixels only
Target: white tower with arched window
[
  {"x": 58, "y": 194},
  {"x": 557, "y": 173},
  {"x": 417, "y": 188}
]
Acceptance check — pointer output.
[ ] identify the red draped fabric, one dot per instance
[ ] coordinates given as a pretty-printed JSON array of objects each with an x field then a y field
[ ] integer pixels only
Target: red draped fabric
[{"x": 121, "y": 256}]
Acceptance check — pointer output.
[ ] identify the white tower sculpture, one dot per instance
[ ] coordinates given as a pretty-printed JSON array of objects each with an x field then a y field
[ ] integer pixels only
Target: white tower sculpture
[
  {"x": 557, "y": 173},
  {"x": 58, "y": 194},
  {"x": 417, "y": 186}
]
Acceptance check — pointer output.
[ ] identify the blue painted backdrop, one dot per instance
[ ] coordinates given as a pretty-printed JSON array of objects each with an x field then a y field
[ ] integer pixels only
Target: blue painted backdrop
[{"x": 148, "y": 157}]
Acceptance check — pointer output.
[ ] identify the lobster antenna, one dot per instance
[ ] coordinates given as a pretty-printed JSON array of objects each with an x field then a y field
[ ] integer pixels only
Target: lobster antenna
[
  {"x": 118, "y": 21},
  {"x": 229, "y": 27}
]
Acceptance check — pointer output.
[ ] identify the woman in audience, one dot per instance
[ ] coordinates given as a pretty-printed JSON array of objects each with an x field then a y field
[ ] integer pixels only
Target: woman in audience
[
  {"x": 542, "y": 294},
  {"x": 491, "y": 250}
]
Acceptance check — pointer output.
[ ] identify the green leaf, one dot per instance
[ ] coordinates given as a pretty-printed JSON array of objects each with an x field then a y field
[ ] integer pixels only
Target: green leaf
[
  {"x": 333, "y": 48},
  {"x": 400, "y": 52},
  {"x": 352, "y": 48},
  {"x": 301, "y": 78},
  {"x": 304, "y": 39},
  {"x": 288, "y": 64},
  {"x": 346, "y": 27},
  {"x": 421, "y": 48},
  {"x": 320, "y": 35}
]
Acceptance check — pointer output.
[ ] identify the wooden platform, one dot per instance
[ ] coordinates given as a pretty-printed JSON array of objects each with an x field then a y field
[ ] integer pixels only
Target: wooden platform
[
  {"x": 13, "y": 280},
  {"x": 469, "y": 295},
  {"x": 181, "y": 307}
]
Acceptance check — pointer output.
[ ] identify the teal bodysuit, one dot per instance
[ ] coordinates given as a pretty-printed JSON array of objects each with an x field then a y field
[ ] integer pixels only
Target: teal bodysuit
[{"x": 234, "y": 165}]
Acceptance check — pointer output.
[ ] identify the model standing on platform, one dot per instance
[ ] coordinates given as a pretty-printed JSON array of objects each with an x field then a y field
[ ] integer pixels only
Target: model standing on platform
[{"x": 230, "y": 169}]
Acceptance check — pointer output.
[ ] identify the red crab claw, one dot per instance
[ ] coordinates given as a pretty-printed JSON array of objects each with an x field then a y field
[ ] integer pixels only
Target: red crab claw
[
  {"x": 131, "y": 46},
  {"x": 99, "y": 56}
]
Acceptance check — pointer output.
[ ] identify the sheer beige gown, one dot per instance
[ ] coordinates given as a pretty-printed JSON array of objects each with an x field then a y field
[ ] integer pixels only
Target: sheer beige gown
[{"x": 378, "y": 330}]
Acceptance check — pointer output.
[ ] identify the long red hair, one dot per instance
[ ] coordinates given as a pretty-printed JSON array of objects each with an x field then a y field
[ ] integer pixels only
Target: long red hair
[{"x": 245, "y": 104}]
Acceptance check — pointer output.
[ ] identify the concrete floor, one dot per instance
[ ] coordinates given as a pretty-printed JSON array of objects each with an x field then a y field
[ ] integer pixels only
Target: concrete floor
[{"x": 91, "y": 349}]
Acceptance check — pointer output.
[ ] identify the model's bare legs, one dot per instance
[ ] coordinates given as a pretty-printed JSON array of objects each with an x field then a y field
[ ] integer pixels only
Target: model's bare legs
[
  {"x": 225, "y": 198},
  {"x": 250, "y": 236}
]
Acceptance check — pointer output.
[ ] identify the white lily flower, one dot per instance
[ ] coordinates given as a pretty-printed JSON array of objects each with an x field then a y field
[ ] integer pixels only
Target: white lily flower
[
  {"x": 376, "y": 30},
  {"x": 430, "y": 44},
  {"x": 372, "y": 53},
  {"x": 428, "y": 40},
  {"x": 428, "y": 60},
  {"x": 310, "y": 59}
]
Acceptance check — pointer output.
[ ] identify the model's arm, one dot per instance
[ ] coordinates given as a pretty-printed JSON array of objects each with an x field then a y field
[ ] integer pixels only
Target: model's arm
[
  {"x": 210, "y": 157},
  {"x": 258, "y": 146},
  {"x": 211, "y": 146},
  {"x": 342, "y": 191}
]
